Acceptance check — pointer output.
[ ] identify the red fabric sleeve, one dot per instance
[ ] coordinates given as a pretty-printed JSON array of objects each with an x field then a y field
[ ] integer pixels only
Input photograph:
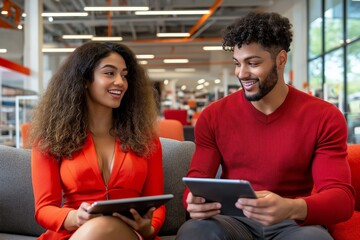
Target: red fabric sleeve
[
  {"x": 47, "y": 191},
  {"x": 154, "y": 184}
]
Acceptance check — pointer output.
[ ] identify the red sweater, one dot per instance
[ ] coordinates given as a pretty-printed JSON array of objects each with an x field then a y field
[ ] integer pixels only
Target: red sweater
[{"x": 300, "y": 144}]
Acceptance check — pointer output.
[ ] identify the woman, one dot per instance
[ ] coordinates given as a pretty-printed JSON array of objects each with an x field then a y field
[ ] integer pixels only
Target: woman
[{"x": 94, "y": 139}]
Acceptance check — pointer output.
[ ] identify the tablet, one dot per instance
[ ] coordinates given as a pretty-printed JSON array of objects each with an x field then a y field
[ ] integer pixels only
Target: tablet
[
  {"x": 123, "y": 205},
  {"x": 224, "y": 191}
]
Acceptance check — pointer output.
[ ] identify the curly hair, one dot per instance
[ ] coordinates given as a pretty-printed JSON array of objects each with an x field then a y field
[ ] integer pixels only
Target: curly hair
[
  {"x": 270, "y": 30},
  {"x": 59, "y": 125}
]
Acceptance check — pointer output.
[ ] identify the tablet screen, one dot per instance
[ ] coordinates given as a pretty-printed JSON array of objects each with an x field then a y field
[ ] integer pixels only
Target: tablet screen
[
  {"x": 122, "y": 206},
  {"x": 224, "y": 191}
]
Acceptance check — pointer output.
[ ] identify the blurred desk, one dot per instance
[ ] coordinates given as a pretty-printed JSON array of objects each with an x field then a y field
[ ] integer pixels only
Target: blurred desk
[{"x": 7, "y": 136}]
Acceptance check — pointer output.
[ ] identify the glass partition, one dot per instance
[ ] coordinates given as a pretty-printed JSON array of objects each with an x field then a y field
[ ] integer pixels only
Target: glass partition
[{"x": 334, "y": 31}]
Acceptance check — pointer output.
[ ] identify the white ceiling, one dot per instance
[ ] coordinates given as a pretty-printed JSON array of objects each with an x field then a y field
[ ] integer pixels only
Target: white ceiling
[{"x": 139, "y": 32}]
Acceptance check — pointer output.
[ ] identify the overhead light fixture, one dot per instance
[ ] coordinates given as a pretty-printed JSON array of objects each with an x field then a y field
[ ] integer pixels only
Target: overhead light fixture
[
  {"x": 114, "y": 8},
  {"x": 212, "y": 48},
  {"x": 145, "y": 56},
  {"x": 3, "y": 50},
  {"x": 183, "y": 12},
  {"x": 173, "y": 34},
  {"x": 156, "y": 70},
  {"x": 6, "y": 8},
  {"x": 64, "y": 14},
  {"x": 201, "y": 81},
  {"x": 143, "y": 62},
  {"x": 77, "y": 36},
  {"x": 176, "y": 60},
  {"x": 57, "y": 50},
  {"x": 217, "y": 81},
  {"x": 184, "y": 69},
  {"x": 105, "y": 39}
]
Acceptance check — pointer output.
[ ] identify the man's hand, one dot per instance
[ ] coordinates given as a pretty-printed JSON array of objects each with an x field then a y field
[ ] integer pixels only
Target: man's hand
[
  {"x": 198, "y": 209},
  {"x": 269, "y": 208}
]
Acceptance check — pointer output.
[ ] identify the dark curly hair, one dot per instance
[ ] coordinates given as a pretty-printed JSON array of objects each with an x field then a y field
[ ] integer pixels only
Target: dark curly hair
[
  {"x": 60, "y": 122},
  {"x": 270, "y": 30}
]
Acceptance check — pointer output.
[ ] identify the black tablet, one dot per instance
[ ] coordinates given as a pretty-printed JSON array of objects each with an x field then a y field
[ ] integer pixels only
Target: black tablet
[
  {"x": 122, "y": 206},
  {"x": 224, "y": 191}
]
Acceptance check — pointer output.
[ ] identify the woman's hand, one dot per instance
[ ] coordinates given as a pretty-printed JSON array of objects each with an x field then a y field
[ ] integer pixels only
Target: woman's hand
[
  {"x": 77, "y": 218},
  {"x": 198, "y": 209},
  {"x": 270, "y": 208},
  {"x": 141, "y": 224}
]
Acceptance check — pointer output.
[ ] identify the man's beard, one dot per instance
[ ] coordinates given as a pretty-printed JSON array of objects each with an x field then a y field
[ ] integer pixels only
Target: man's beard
[{"x": 265, "y": 86}]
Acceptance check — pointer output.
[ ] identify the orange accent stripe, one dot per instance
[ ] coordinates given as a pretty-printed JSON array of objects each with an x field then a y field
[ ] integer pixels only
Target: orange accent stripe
[
  {"x": 14, "y": 66},
  {"x": 6, "y": 24},
  {"x": 205, "y": 17}
]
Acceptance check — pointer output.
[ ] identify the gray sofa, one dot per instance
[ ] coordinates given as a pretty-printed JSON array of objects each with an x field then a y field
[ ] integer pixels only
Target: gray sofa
[{"x": 16, "y": 197}]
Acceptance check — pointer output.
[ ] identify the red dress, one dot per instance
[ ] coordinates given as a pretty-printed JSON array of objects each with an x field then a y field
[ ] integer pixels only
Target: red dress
[{"x": 80, "y": 180}]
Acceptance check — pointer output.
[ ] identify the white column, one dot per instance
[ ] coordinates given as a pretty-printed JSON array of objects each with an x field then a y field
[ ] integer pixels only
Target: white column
[
  {"x": 225, "y": 80},
  {"x": 33, "y": 34}
]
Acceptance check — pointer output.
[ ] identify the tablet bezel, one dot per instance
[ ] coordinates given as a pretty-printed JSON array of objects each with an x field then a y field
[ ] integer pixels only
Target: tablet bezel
[
  {"x": 123, "y": 205},
  {"x": 224, "y": 191}
]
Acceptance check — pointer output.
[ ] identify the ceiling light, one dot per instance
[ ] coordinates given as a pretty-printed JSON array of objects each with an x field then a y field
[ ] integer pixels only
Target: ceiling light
[
  {"x": 183, "y": 87},
  {"x": 184, "y": 69},
  {"x": 65, "y": 14},
  {"x": 23, "y": 14},
  {"x": 143, "y": 62},
  {"x": 110, "y": 8},
  {"x": 212, "y": 48},
  {"x": 184, "y": 12},
  {"x": 176, "y": 60},
  {"x": 217, "y": 81},
  {"x": 77, "y": 36},
  {"x": 3, "y": 50},
  {"x": 107, "y": 39},
  {"x": 20, "y": 26},
  {"x": 206, "y": 84},
  {"x": 145, "y": 56},
  {"x": 198, "y": 87},
  {"x": 173, "y": 34},
  {"x": 57, "y": 50},
  {"x": 156, "y": 70},
  {"x": 201, "y": 81}
]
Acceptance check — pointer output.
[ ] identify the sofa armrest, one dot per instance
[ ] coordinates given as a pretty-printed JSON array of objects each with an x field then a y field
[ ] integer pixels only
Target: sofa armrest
[{"x": 176, "y": 161}]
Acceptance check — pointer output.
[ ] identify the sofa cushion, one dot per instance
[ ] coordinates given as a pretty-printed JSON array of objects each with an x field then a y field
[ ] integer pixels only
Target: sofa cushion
[
  {"x": 16, "y": 196},
  {"x": 176, "y": 161},
  {"x": 4, "y": 236},
  {"x": 354, "y": 162},
  {"x": 348, "y": 230}
]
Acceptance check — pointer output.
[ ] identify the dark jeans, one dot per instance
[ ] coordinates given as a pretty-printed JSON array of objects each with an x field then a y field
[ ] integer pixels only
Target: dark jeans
[{"x": 241, "y": 228}]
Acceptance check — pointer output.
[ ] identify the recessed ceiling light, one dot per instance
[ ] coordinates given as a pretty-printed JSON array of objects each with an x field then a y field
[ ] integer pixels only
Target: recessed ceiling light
[
  {"x": 184, "y": 69},
  {"x": 173, "y": 34},
  {"x": 212, "y": 48},
  {"x": 107, "y": 39},
  {"x": 64, "y": 14},
  {"x": 145, "y": 56},
  {"x": 57, "y": 50},
  {"x": 176, "y": 60},
  {"x": 3, "y": 50},
  {"x": 156, "y": 70},
  {"x": 114, "y": 8},
  {"x": 77, "y": 36},
  {"x": 184, "y": 12}
]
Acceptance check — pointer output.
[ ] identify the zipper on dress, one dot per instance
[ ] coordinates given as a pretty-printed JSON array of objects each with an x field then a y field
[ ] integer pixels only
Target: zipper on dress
[{"x": 106, "y": 192}]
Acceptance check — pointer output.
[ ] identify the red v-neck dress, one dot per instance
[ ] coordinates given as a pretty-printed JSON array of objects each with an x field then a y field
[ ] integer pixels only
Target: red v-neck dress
[{"x": 80, "y": 180}]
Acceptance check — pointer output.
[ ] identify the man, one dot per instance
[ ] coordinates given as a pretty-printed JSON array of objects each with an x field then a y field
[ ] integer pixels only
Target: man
[{"x": 280, "y": 139}]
